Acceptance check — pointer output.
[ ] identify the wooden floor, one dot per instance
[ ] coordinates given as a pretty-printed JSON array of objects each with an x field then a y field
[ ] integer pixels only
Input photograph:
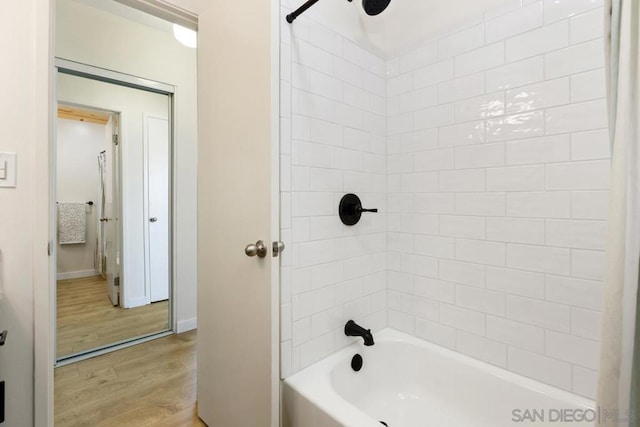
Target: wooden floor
[
  {"x": 151, "y": 384},
  {"x": 87, "y": 319}
]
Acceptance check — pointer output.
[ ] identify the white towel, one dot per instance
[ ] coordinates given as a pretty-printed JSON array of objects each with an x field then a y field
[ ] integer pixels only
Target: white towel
[{"x": 72, "y": 223}]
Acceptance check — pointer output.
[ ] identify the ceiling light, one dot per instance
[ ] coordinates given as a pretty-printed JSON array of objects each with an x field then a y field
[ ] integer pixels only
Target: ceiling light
[{"x": 187, "y": 37}]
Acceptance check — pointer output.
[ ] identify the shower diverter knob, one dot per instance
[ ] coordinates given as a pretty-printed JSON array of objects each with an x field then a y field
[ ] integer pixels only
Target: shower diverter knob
[{"x": 351, "y": 209}]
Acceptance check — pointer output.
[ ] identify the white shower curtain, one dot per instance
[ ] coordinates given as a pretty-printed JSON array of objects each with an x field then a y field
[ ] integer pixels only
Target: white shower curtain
[{"x": 618, "y": 392}]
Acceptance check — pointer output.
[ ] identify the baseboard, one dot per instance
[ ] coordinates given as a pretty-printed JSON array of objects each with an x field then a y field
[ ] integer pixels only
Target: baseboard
[
  {"x": 135, "y": 302},
  {"x": 187, "y": 325},
  {"x": 76, "y": 274}
]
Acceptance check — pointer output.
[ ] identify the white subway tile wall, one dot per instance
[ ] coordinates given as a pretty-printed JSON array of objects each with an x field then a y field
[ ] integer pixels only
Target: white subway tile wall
[
  {"x": 333, "y": 142},
  {"x": 486, "y": 151},
  {"x": 519, "y": 141}
]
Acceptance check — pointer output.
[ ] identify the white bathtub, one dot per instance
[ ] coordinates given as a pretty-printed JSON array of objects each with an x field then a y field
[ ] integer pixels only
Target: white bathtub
[{"x": 407, "y": 382}]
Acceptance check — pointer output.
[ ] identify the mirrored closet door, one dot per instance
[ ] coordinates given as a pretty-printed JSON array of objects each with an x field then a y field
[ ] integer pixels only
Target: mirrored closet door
[{"x": 113, "y": 169}]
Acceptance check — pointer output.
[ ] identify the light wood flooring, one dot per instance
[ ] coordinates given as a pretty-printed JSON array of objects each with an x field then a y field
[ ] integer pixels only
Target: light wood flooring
[
  {"x": 151, "y": 384},
  {"x": 86, "y": 319}
]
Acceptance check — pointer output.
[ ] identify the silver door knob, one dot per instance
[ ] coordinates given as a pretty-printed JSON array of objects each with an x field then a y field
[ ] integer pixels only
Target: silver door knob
[
  {"x": 258, "y": 249},
  {"x": 154, "y": 219}
]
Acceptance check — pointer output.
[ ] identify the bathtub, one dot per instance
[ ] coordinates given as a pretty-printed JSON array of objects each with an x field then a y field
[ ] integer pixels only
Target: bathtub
[{"x": 407, "y": 382}]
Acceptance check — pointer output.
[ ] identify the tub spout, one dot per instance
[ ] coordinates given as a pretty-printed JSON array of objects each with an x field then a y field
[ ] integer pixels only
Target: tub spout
[{"x": 352, "y": 329}]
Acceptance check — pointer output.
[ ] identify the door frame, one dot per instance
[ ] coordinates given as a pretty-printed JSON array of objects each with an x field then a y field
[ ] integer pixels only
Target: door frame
[
  {"x": 117, "y": 114},
  {"x": 276, "y": 385},
  {"x": 45, "y": 224}
]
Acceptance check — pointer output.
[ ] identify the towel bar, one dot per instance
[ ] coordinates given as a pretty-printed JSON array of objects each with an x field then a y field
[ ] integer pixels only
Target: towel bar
[{"x": 90, "y": 203}]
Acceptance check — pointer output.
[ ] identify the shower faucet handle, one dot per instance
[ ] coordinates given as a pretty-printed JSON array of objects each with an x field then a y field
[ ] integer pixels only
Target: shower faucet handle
[
  {"x": 361, "y": 209},
  {"x": 350, "y": 209}
]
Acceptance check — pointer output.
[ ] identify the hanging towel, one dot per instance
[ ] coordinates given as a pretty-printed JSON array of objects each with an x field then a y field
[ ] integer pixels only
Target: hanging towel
[{"x": 72, "y": 223}]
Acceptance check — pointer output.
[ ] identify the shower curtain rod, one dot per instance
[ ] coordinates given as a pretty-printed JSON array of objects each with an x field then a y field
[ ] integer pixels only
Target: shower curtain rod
[{"x": 302, "y": 9}]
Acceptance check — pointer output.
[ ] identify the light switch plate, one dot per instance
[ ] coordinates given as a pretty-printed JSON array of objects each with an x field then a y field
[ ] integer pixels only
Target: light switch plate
[{"x": 8, "y": 175}]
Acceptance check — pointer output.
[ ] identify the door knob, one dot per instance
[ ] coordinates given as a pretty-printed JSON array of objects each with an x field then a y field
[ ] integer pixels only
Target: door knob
[
  {"x": 258, "y": 249},
  {"x": 154, "y": 219}
]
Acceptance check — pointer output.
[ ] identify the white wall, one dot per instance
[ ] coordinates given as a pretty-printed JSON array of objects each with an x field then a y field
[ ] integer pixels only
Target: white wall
[
  {"x": 333, "y": 142},
  {"x": 78, "y": 180},
  {"x": 17, "y": 45},
  {"x": 24, "y": 282},
  {"x": 114, "y": 42},
  {"x": 498, "y": 175}
]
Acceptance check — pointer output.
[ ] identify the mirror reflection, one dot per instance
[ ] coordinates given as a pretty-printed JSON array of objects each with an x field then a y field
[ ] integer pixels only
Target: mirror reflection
[{"x": 113, "y": 213}]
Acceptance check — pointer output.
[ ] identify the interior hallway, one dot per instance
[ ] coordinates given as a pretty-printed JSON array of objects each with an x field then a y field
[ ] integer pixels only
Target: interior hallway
[
  {"x": 86, "y": 319},
  {"x": 151, "y": 384}
]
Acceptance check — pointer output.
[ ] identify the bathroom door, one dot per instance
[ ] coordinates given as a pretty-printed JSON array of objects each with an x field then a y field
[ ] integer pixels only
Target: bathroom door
[
  {"x": 158, "y": 191},
  {"x": 236, "y": 181}
]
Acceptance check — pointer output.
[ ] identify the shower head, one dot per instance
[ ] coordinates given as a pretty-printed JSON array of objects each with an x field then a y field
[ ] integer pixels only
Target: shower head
[{"x": 375, "y": 7}]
